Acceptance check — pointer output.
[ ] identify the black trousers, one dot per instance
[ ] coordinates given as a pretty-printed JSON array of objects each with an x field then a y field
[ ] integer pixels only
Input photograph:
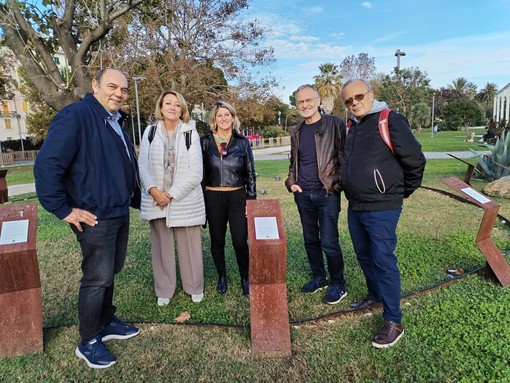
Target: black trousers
[{"x": 222, "y": 208}]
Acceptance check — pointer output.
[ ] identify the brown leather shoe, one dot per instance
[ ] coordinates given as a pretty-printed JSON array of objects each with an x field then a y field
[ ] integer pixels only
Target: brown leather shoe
[
  {"x": 389, "y": 333},
  {"x": 363, "y": 304}
]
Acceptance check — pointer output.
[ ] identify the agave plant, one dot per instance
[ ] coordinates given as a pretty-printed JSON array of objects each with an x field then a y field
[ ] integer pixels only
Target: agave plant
[{"x": 496, "y": 164}]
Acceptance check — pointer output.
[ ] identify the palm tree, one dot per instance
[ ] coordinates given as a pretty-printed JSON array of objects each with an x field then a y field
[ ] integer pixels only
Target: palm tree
[
  {"x": 329, "y": 85},
  {"x": 487, "y": 93},
  {"x": 463, "y": 88}
]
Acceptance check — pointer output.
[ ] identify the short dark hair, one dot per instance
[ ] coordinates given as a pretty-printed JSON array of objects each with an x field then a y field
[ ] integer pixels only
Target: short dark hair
[{"x": 102, "y": 71}]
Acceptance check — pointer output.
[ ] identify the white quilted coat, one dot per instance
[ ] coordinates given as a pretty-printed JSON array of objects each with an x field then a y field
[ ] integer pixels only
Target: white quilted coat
[{"x": 187, "y": 206}]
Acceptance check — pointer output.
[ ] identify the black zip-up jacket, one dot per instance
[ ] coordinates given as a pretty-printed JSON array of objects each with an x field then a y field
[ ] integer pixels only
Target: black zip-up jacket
[
  {"x": 374, "y": 179},
  {"x": 235, "y": 169},
  {"x": 329, "y": 142}
]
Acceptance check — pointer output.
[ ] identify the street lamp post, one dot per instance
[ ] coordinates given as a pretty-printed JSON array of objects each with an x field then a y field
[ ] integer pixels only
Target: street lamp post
[
  {"x": 137, "y": 78},
  {"x": 432, "y": 117},
  {"x": 399, "y": 53},
  {"x": 279, "y": 117},
  {"x": 18, "y": 117}
]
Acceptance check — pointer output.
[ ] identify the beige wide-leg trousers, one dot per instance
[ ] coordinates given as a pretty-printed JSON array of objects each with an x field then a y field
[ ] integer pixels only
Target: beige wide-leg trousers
[{"x": 189, "y": 251}]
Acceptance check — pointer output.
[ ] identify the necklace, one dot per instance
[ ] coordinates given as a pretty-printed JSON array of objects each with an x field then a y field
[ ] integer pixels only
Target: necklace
[{"x": 221, "y": 140}]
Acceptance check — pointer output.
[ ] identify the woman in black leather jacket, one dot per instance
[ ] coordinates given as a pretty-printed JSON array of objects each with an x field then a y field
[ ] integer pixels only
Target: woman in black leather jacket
[{"x": 229, "y": 179}]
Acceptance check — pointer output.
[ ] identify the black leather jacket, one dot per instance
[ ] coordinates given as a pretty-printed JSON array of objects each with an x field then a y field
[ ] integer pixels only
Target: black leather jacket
[
  {"x": 233, "y": 170},
  {"x": 329, "y": 141}
]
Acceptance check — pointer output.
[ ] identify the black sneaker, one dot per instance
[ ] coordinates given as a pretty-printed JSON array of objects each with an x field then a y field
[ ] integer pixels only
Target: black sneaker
[
  {"x": 95, "y": 353},
  {"x": 314, "y": 285},
  {"x": 117, "y": 329},
  {"x": 334, "y": 295},
  {"x": 364, "y": 303}
]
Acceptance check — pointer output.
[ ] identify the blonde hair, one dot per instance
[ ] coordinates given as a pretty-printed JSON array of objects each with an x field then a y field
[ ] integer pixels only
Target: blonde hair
[
  {"x": 185, "y": 116},
  {"x": 212, "y": 115}
]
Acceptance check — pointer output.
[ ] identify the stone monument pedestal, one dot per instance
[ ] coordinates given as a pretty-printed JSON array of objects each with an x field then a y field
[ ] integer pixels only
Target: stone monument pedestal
[
  {"x": 4, "y": 192},
  {"x": 269, "y": 315},
  {"x": 20, "y": 285}
]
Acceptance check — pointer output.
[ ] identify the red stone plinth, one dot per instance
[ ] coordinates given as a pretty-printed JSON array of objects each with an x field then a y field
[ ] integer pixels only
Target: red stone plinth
[
  {"x": 495, "y": 260},
  {"x": 21, "y": 322},
  {"x": 270, "y": 331},
  {"x": 20, "y": 288},
  {"x": 269, "y": 315},
  {"x": 4, "y": 192}
]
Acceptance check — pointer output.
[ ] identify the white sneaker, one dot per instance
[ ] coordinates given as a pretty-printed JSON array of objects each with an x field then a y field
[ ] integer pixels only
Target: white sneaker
[
  {"x": 197, "y": 298},
  {"x": 163, "y": 301}
]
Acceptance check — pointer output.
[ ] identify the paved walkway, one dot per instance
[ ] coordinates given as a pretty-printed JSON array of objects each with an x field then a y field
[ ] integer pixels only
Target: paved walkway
[
  {"x": 282, "y": 153},
  {"x": 20, "y": 189},
  {"x": 273, "y": 153}
]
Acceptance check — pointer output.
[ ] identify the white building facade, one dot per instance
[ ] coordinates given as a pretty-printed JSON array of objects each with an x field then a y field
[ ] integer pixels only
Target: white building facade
[
  {"x": 502, "y": 105},
  {"x": 13, "y": 112}
]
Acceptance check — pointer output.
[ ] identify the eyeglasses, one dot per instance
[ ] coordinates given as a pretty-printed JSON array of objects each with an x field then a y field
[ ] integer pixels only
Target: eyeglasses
[
  {"x": 307, "y": 101},
  {"x": 357, "y": 97},
  {"x": 223, "y": 148}
]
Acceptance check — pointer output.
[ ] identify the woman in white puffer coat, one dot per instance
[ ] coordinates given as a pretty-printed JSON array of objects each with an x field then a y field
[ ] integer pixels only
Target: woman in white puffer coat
[{"x": 172, "y": 197}]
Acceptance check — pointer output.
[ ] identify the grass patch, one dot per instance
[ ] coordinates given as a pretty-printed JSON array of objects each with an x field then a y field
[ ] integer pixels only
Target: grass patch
[
  {"x": 17, "y": 175},
  {"x": 449, "y": 141},
  {"x": 448, "y": 331}
]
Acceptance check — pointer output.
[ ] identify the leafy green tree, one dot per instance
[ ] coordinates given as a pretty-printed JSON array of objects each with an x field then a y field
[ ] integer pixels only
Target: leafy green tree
[
  {"x": 420, "y": 115},
  {"x": 35, "y": 31},
  {"x": 292, "y": 99},
  {"x": 404, "y": 88},
  {"x": 329, "y": 85},
  {"x": 461, "y": 113}
]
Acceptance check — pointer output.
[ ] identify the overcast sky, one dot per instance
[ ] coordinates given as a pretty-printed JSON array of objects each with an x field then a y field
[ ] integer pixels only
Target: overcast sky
[{"x": 445, "y": 38}]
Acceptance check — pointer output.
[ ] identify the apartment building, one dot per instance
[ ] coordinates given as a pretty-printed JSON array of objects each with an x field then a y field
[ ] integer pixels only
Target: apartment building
[{"x": 13, "y": 111}]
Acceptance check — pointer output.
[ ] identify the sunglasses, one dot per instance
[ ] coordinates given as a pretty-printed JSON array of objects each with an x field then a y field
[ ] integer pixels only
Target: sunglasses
[
  {"x": 223, "y": 148},
  {"x": 357, "y": 97}
]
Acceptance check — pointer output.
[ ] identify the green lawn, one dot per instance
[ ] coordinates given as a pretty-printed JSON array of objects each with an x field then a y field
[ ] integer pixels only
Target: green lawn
[
  {"x": 449, "y": 141},
  {"x": 450, "y": 331}
]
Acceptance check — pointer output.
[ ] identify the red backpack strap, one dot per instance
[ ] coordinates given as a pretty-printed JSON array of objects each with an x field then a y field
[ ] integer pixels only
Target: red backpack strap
[{"x": 384, "y": 129}]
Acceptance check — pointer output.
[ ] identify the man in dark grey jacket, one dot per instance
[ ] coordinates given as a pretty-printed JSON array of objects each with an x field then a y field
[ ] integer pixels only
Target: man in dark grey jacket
[
  {"x": 376, "y": 181},
  {"x": 86, "y": 174},
  {"x": 314, "y": 178}
]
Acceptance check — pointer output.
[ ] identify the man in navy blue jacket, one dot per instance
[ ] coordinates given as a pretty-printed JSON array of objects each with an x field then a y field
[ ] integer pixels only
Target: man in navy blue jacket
[
  {"x": 376, "y": 181},
  {"x": 86, "y": 174}
]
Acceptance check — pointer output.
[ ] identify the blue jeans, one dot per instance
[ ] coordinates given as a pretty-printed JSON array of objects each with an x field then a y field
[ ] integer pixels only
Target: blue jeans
[
  {"x": 319, "y": 217},
  {"x": 374, "y": 237},
  {"x": 103, "y": 249}
]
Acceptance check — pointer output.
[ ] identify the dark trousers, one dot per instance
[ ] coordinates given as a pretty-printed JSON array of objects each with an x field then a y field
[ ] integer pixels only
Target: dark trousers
[
  {"x": 103, "y": 248},
  {"x": 319, "y": 217},
  {"x": 374, "y": 238},
  {"x": 222, "y": 208}
]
